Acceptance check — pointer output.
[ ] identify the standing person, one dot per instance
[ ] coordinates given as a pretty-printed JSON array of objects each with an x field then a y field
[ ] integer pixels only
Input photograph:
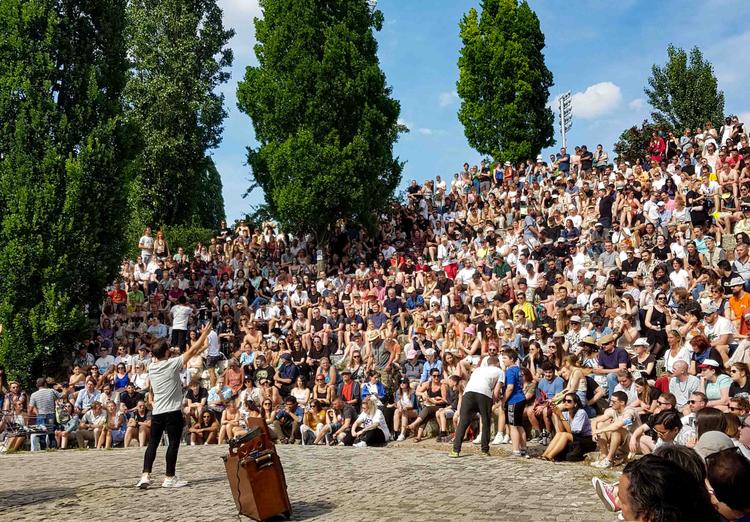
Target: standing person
[
  {"x": 42, "y": 406},
  {"x": 483, "y": 388},
  {"x": 515, "y": 402},
  {"x": 146, "y": 244},
  {"x": 180, "y": 316},
  {"x": 166, "y": 387}
]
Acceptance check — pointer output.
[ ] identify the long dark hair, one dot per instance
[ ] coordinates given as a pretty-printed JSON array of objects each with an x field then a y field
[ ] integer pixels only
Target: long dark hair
[{"x": 577, "y": 405}]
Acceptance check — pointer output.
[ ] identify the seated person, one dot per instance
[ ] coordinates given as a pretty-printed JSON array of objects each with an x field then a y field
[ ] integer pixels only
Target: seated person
[
  {"x": 547, "y": 387},
  {"x": 573, "y": 431},
  {"x": 93, "y": 425},
  {"x": 313, "y": 423},
  {"x": 287, "y": 420},
  {"x": 611, "y": 431},
  {"x": 139, "y": 425},
  {"x": 370, "y": 428},
  {"x": 205, "y": 430}
]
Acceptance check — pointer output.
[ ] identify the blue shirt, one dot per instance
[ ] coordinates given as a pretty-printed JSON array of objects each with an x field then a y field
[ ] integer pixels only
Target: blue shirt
[
  {"x": 427, "y": 368},
  {"x": 513, "y": 376},
  {"x": 299, "y": 412},
  {"x": 85, "y": 399},
  {"x": 551, "y": 388}
]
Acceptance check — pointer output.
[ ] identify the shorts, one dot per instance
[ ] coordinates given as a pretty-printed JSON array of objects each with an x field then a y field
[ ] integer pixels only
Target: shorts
[
  {"x": 449, "y": 413},
  {"x": 212, "y": 361},
  {"x": 118, "y": 436},
  {"x": 514, "y": 413}
]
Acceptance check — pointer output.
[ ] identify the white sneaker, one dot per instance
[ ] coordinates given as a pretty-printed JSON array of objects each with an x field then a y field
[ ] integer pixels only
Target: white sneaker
[
  {"x": 602, "y": 464},
  {"x": 173, "y": 482},
  {"x": 143, "y": 483},
  {"x": 506, "y": 439},
  {"x": 401, "y": 438},
  {"x": 360, "y": 444},
  {"x": 478, "y": 439},
  {"x": 497, "y": 440}
]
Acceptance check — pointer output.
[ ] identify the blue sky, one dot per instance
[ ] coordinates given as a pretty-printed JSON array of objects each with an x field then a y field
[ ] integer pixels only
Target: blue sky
[{"x": 601, "y": 51}]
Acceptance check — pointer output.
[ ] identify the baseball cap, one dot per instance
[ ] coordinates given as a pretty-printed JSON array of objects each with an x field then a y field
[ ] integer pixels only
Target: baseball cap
[
  {"x": 575, "y": 319},
  {"x": 641, "y": 341},
  {"x": 709, "y": 308},
  {"x": 709, "y": 363},
  {"x": 411, "y": 354},
  {"x": 713, "y": 442}
]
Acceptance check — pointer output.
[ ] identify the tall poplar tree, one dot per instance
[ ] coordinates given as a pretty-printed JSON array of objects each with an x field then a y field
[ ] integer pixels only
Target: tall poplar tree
[
  {"x": 63, "y": 151},
  {"x": 179, "y": 58},
  {"x": 685, "y": 92},
  {"x": 322, "y": 113},
  {"x": 503, "y": 81}
]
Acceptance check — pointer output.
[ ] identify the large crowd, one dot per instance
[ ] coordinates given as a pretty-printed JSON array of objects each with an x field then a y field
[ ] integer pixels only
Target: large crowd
[{"x": 591, "y": 305}]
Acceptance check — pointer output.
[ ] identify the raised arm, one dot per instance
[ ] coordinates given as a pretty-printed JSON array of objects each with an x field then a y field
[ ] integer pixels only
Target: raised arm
[{"x": 198, "y": 346}]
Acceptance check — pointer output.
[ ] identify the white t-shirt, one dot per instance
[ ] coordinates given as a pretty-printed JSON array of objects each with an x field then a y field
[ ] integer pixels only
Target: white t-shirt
[
  {"x": 148, "y": 245},
  {"x": 722, "y": 326},
  {"x": 484, "y": 379},
  {"x": 213, "y": 344},
  {"x": 365, "y": 420},
  {"x": 180, "y": 315},
  {"x": 103, "y": 363},
  {"x": 166, "y": 385}
]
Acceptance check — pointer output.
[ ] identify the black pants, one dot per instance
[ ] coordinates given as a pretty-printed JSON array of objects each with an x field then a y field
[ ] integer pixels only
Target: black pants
[
  {"x": 472, "y": 403},
  {"x": 179, "y": 338},
  {"x": 172, "y": 423},
  {"x": 374, "y": 437}
]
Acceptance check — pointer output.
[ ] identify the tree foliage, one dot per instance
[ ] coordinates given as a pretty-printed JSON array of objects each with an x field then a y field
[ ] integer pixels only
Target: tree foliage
[
  {"x": 63, "y": 151},
  {"x": 322, "y": 114},
  {"x": 685, "y": 93},
  {"x": 503, "y": 81},
  {"x": 179, "y": 58},
  {"x": 633, "y": 143}
]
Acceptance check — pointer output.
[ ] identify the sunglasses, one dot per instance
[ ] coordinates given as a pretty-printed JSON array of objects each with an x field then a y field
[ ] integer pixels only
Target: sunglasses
[
  {"x": 662, "y": 403},
  {"x": 734, "y": 371},
  {"x": 693, "y": 401},
  {"x": 569, "y": 401}
]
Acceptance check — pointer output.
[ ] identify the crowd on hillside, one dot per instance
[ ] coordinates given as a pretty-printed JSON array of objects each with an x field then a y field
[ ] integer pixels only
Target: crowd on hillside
[{"x": 602, "y": 306}]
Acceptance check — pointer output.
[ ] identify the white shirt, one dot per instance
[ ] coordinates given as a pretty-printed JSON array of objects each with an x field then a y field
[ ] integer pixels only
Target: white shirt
[
  {"x": 484, "y": 379},
  {"x": 378, "y": 418},
  {"x": 213, "y": 348},
  {"x": 148, "y": 245},
  {"x": 722, "y": 326},
  {"x": 180, "y": 315}
]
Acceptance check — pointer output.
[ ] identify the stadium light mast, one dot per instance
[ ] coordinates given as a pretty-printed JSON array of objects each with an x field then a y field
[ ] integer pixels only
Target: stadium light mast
[{"x": 566, "y": 115}]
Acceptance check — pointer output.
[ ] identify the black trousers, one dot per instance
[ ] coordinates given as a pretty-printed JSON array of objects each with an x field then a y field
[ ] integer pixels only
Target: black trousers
[
  {"x": 179, "y": 338},
  {"x": 172, "y": 423},
  {"x": 374, "y": 437},
  {"x": 472, "y": 403}
]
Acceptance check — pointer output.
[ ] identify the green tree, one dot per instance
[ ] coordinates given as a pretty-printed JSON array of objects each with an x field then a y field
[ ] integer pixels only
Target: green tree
[
  {"x": 503, "y": 81},
  {"x": 179, "y": 58},
  {"x": 633, "y": 142},
  {"x": 63, "y": 151},
  {"x": 685, "y": 93},
  {"x": 322, "y": 114}
]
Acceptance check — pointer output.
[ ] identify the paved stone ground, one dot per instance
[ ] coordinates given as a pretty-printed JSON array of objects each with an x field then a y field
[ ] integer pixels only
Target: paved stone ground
[{"x": 399, "y": 482}]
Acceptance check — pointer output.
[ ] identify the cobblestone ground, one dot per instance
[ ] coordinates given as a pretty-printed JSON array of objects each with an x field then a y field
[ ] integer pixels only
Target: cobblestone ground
[{"x": 400, "y": 482}]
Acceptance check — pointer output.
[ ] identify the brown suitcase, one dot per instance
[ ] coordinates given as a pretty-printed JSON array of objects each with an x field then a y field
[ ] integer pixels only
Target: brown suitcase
[{"x": 255, "y": 475}]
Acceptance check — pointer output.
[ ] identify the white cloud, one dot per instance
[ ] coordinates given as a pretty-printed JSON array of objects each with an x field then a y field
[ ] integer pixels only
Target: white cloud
[
  {"x": 239, "y": 15},
  {"x": 637, "y": 104},
  {"x": 597, "y": 100},
  {"x": 448, "y": 98},
  {"x": 424, "y": 131},
  {"x": 405, "y": 123}
]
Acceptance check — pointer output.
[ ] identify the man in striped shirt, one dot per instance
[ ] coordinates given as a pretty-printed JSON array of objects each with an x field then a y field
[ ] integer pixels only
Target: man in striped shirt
[{"x": 42, "y": 406}]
